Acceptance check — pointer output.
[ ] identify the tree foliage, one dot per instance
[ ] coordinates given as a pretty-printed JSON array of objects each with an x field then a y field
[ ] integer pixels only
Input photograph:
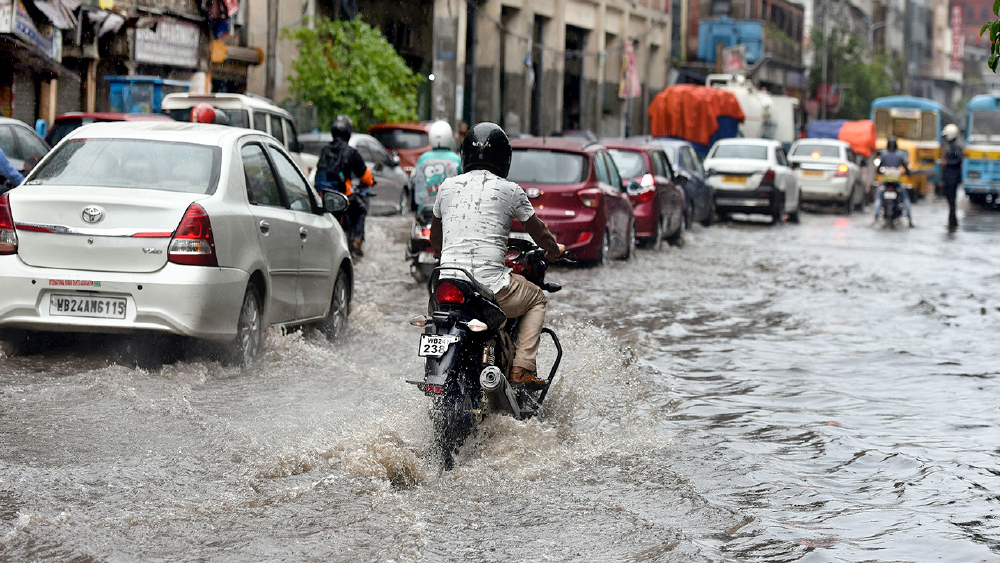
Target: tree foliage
[
  {"x": 348, "y": 67},
  {"x": 993, "y": 26},
  {"x": 851, "y": 63}
]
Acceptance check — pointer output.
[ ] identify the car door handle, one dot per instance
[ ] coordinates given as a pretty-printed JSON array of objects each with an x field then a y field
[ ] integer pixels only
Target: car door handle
[
  {"x": 265, "y": 227},
  {"x": 303, "y": 233}
]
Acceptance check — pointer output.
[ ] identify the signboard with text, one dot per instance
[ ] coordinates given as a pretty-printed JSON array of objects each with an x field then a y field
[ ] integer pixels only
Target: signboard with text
[
  {"x": 15, "y": 20},
  {"x": 171, "y": 43},
  {"x": 957, "y": 38}
]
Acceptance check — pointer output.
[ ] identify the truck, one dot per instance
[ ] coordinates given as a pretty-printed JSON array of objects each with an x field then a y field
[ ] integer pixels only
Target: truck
[{"x": 767, "y": 116}]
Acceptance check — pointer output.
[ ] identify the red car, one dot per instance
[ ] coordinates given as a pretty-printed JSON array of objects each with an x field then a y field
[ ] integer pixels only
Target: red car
[
  {"x": 408, "y": 140},
  {"x": 657, "y": 200},
  {"x": 576, "y": 190}
]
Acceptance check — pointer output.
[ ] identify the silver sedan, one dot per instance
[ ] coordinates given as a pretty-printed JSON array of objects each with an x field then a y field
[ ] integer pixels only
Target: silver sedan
[{"x": 203, "y": 231}]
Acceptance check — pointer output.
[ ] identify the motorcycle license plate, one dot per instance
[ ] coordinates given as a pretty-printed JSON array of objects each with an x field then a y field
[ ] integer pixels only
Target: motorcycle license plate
[
  {"x": 434, "y": 345},
  {"x": 889, "y": 195},
  {"x": 426, "y": 258}
]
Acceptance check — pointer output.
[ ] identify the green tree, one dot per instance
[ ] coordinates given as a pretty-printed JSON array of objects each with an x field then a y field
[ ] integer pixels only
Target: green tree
[
  {"x": 348, "y": 67},
  {"x": 850, "y": 63},
  {"x": 993, "y": 26}
]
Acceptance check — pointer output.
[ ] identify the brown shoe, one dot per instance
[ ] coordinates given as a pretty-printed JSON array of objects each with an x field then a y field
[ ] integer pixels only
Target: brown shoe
[
  {"x": 356, "y": 247},
  {"x": 527, "y": 377}
]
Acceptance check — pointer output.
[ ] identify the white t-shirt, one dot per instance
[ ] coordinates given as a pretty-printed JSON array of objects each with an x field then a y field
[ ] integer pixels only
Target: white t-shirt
[{"x": 476, "y": 209}]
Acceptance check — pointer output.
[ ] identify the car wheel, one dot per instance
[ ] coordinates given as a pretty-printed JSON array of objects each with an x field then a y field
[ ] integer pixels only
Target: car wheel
[
  {"x": 604, "y": 252},
  {"x": 656, "y": 242},
  {"x": 689, "y": 215},
  {"x": 796, "y": 215},
  {"x": 340, "y": 307},
  {"x": 630, "y": 248},
  {"x": 249, "y": 329},
  {"x": 710, "y": 216},
  {"x": 677, "y": 237},
  {"x": 849, "y": 204},
  {"x": 778, "y": 209},
  {"x": 404, "y": 200}
]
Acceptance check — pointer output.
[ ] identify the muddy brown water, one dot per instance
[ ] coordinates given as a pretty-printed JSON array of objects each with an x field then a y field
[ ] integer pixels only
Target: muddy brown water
[{"x": 815, "y": 392}]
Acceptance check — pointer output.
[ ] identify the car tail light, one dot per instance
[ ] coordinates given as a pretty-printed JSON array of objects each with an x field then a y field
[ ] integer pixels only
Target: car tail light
[
  {"x": 193, "y": 243},
  {"x": 591, "y": 197},
  {"x": 644, "y": 196},
  {"x": 842, "y": 170},
  {"x": 584, "y": 237},
  {"x": 768, "y": 177},
  {"x": 447, "y": 292},
  {"x": 8, "y": 236}
]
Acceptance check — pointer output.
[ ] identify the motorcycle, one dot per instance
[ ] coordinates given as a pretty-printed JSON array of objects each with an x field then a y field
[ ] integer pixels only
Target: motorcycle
[
  {"x": 418, "y": 250},
  {"x": 468, "y": 345},
  {"x": 892, "y": 187}
]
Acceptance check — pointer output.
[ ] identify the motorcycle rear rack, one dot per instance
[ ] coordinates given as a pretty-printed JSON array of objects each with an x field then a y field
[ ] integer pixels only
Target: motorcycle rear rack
[{"x": 555, "y": 364}]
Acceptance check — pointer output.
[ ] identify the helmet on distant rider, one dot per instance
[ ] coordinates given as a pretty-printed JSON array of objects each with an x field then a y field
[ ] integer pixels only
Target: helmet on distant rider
[
  {"x": 440, "y": 135},
  {"x": 891, "y": 145},
  {"x": 342, "y": 127},
  {"x": 486, "y": 147},
  {"x": 203, "y": 113},
  {"x": 950, "y": 132}
]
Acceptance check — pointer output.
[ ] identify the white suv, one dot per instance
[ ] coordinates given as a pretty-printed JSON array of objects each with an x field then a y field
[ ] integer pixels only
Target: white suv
[{"x": 249, "y": 111}]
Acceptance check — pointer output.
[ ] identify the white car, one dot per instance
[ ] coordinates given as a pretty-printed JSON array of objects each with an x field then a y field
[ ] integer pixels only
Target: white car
[
  {"x": 246, "y": 110},
  {"x": 203, "y": 231},
  {"x": 828, "y": 171},
  {"x": 753, "y": 176}
]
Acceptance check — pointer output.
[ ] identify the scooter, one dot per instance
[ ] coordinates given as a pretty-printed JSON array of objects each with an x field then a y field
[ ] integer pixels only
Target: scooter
[
  {"x": 468, "y": 345},
  {"x": 418, "y": 250},
  {"x": 892, "y": 187}
]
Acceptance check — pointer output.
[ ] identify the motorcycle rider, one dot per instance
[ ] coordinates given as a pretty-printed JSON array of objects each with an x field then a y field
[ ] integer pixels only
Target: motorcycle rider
[
  {"x": 338, "y": 164},
  {"x": 435, "y": 165},
  {"x": 472, "y": 217},
  {"x": 951, "y": 173},
  {"x": 12, "y": 176},
  {"x": 891, "y": 158},
  {"x": 205, "y": 113}
]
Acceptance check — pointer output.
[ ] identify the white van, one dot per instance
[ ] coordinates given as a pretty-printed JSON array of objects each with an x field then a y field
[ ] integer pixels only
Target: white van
[{"x": 249, "y": 111}]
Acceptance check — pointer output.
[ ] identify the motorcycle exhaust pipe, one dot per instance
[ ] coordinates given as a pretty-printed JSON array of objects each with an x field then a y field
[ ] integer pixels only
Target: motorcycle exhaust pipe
[{"x": 498, "y": 389}]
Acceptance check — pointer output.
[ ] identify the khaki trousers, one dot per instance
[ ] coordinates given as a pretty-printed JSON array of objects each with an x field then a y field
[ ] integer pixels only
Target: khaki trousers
[{"x": 524, "y": 299}]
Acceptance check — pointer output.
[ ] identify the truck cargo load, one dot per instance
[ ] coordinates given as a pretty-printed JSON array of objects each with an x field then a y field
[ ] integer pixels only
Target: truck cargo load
[
  {"x": 698, "y": 114},
  {"x": 861, "y": 134}
]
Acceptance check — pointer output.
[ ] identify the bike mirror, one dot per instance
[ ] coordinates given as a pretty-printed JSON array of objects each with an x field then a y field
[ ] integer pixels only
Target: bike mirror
[{"x": 334, "y": 202}]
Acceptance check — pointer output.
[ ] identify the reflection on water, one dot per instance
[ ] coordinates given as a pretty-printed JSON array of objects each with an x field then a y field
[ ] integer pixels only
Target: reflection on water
[{"x": 813, "y": 392}]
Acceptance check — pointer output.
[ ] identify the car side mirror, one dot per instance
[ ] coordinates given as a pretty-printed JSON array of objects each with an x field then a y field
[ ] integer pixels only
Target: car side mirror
[
  {"x": 295, "y": 146},
  {"x": 395, "y": 159},
  {"x": 682, "y": 176},
  {"x": 633, "y": 188},
  {"x": 334, "y": 202}
]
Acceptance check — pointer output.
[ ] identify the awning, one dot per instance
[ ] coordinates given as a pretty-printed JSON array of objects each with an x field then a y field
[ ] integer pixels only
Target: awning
[
  {"x": 59, "y": 12},
  {"x": 26, "y": 56}
]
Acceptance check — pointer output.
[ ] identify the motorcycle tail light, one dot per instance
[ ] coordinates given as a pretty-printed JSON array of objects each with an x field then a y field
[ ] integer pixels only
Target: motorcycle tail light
[
  {"x": 193, "y": 243},
  {"x": 447, "y": 292},
  {"x": 842, "y": 170},
  {"x": 8, "y": 237}
]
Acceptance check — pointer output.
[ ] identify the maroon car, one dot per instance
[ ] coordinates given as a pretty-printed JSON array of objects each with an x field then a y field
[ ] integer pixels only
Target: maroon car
[
  {"x": 658, "y": 201},
  {"x": 576, "y": 190}
]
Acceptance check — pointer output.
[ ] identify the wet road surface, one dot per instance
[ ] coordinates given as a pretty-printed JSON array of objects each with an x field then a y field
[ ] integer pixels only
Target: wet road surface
[{"x": 815, "y": 392}]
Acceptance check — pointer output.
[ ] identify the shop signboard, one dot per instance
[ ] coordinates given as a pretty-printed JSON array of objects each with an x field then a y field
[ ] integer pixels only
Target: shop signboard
[
  {"x": 171, "y": 43},
  {"x": 15, "y": 20},
  {"x": 6, "y": 16}
]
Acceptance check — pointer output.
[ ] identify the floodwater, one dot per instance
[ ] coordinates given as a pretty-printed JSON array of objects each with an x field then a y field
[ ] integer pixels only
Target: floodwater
[{"x": 815, "y": 392}]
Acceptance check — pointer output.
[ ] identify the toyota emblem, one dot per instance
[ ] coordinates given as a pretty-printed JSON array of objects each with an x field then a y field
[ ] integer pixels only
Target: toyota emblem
[{"x": 92, "y": 214}]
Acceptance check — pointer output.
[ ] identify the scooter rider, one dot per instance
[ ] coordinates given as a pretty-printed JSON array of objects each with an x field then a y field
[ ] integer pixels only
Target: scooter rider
[
  {"x": 472, "y": 217},
  {"x": 435, "y": 165},
  {"x": 338, "y": 164},
  {"x": 891, "y": 158}
]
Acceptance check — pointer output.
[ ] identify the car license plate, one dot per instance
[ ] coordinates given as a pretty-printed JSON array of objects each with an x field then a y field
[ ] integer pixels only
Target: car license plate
[
  {"x": 734, "y": 179},
  {"x": 435, "y": 345},
  {"x": 426, "y": 258},
  {"x": 889, "y": 195},
  {"x": 813, "y": 173},
  {"x": 87, "y": 306}
]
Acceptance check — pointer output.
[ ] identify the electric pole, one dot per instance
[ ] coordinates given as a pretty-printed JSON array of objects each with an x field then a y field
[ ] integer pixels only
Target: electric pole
[{"x": 272, "y": 47}]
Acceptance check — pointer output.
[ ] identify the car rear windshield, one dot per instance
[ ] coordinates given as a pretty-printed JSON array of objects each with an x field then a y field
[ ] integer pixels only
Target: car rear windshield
[
  {"x": 131, "y": 163},
  {"x": 237, "y": 117},
  {"x": 631, "y": 164},
  {"x": 401, "y": 138},
  {"x": 753, "y": 152},
  {"x": 547, "y": 167},
  {"x": 817, "y": 151}
]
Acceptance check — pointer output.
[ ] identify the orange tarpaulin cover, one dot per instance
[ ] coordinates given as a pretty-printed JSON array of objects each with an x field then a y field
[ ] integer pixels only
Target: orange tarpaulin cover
[
  {"x": 691, "y": 112},
  {"x": 860, "y": 135}
]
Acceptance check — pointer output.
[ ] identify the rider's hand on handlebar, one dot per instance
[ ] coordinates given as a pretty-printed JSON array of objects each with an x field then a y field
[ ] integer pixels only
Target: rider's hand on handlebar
[{"x": 552, "y": 258}]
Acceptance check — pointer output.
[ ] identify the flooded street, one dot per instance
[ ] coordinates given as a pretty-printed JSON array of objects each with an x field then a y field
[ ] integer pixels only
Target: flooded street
[{"x": 815, "y": 392}]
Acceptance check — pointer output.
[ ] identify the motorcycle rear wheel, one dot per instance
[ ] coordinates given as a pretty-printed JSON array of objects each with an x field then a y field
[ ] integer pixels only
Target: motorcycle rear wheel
[{"x": 453, "y": 423}]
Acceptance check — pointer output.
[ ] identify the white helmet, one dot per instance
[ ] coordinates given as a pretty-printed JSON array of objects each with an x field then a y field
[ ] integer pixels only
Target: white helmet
[
  {"x": 950, "y": 131},
  {"x": 440, "y": 135}
]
